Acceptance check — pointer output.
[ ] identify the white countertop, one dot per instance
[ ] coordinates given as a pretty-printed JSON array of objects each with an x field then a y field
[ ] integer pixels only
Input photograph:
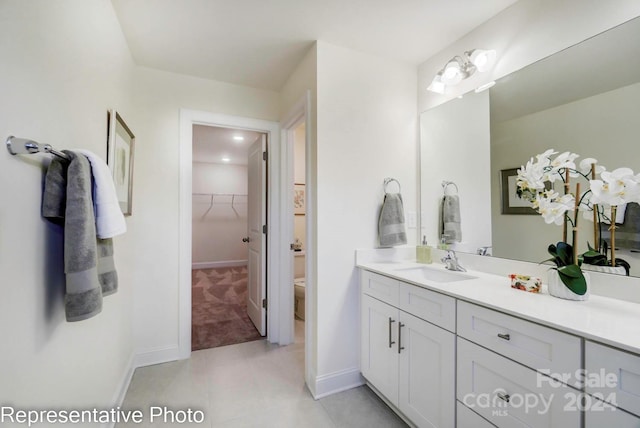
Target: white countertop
[{"x": 602, "y": 319}]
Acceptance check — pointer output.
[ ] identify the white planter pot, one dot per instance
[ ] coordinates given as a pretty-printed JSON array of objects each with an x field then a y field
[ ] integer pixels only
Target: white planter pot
[
  {"x": 558, "y": 289},
  {"x": 618, "y": 270}
]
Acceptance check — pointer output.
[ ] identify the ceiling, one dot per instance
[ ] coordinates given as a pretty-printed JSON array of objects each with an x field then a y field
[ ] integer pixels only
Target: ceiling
[
  {"x": 211, "y": 144},
  {"x": 258, "y": 43}
]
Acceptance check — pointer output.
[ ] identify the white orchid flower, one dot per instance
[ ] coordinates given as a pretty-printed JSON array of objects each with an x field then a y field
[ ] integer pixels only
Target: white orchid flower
[
  {"x": 553, "y": 211},
  {"x": 585, "y": 166},
  {"x": 530, "y": 176},
  {"x": 545, "y": 158},
  {"x": 562, "y": 161},
  {"x": 616, "y": 187}
]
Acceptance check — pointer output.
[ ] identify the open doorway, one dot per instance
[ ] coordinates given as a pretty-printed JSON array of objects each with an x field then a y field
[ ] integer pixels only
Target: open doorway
[
  {"x": 228, "y": 246},
  {"x": 299, "y": 230}
]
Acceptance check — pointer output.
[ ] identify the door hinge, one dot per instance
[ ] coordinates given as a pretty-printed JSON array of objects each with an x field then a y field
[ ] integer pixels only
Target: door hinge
[
  {"x": 264, "y": 156},
  {"x": 264, "y": 229},
  {"x": 264, "y": 303}
]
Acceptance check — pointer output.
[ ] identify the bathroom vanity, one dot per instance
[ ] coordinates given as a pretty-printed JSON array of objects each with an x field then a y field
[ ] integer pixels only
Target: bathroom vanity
[{"x": 449, "y": 349}]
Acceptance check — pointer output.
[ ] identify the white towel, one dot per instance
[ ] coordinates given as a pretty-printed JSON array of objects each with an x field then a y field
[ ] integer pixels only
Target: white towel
[{"x": 109, "y": 218}]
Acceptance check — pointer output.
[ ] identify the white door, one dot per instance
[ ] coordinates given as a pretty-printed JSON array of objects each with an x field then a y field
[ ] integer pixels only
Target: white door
[{"x": 257, "y": 219}]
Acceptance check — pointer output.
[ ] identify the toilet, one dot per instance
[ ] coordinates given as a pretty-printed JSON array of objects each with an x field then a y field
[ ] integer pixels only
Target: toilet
[{"x": 299, "y": 291}]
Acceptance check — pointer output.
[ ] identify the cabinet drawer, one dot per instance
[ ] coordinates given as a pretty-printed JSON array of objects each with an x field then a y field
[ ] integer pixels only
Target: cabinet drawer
[
  {"x": 380, "y": 287},
  {"x": 467, "y": 418},
  {"x": 429, "y": 305},
  {"x": 616, "y": 376},
  {"x": 611, "y": 418},
  {"x": 484, "y": 376},
  {"x": 541, "y": 348}
]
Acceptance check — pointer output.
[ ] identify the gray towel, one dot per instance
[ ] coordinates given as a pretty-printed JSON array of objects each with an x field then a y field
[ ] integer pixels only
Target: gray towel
[
  {"x": 450, "y": 219},
  {"x": 89, "y": 267},
  {"x": 627, "y": 233},
  {"x": 391, "y": 222}
]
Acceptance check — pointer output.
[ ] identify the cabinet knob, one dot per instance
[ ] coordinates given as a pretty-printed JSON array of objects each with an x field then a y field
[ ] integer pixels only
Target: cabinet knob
[
  {"x": 504, "y": 397},
  {"x": 247, "y": 239},
  {"x": 504, "y": 336}
]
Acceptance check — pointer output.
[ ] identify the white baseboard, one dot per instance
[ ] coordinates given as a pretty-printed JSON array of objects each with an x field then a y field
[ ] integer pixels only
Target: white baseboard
[
  {"x": 157, "y": 356},
  {"x": 211, "y": 265},
  {"x": 123, "y": 386},
  {"x": 339, "y": 381}
]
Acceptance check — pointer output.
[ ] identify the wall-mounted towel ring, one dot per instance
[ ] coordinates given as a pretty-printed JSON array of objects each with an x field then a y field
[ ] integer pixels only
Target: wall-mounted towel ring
[
  {"x": 389, "y": 180},
  {"x": 446, "y": 184}
]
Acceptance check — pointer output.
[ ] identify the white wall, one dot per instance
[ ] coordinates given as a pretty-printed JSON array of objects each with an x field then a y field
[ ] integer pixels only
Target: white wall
[
  {"x": 159, "y": 97},
  {"x": 586, "y": 127},
  {"x": 455, "y": 141},
  {"x": 219, "y": 224},
  {"x": 65, "y": 63},
  {"x": 367, "y": 130}
]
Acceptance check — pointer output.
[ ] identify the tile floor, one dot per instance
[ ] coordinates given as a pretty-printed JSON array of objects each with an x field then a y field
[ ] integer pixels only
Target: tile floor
[{"x": 251, "y": 384}]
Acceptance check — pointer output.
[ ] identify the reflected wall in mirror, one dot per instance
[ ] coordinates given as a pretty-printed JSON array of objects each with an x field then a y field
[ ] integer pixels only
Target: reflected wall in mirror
[{"x": 585, "y": 99}]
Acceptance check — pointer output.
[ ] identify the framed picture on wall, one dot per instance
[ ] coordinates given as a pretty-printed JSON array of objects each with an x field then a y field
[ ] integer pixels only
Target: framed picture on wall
[
  {"x": 511, "y": 202},
  {"x": 298, "y": 199},
  {"x": 120, "y": 150}
]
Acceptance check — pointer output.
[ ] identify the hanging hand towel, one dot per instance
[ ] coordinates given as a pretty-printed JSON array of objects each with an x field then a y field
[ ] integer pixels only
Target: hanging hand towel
[
  {"x": 89, "y": 268},
  {"x": 450, "y": 219},
  {"x": 109, "y": 218},
  {"x": 391, "y": 222}
]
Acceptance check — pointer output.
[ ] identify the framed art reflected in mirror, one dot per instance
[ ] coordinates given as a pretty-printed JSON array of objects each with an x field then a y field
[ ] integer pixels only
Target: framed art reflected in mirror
[
  {"x": 511, "y": 202},
  {"x": 120, "y": 151}
]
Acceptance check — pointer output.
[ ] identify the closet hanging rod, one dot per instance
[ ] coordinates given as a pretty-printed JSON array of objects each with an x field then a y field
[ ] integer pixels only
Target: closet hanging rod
[{"x": 21, "y": 146}]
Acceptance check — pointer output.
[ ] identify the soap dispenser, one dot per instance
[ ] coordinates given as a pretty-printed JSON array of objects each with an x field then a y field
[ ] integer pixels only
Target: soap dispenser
[{"x": 423, "y": 252}]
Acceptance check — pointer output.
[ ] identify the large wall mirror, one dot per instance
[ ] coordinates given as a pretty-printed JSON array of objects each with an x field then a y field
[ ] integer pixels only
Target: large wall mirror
[{"x": 584, "y": 99}]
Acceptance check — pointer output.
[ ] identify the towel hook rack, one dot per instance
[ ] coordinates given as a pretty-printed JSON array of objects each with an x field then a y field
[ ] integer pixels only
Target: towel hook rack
[
  {"x": 389, "y": 180},
  {"x": 21, "y": 146},
  {"x": 446, "y": 184}
]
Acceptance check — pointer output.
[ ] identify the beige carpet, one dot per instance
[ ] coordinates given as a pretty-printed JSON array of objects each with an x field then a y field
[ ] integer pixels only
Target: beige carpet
[{"x": 219, "y": 309}]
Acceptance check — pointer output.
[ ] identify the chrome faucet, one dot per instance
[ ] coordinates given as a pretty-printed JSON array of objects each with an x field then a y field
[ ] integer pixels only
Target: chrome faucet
[
  {"x": 451, "y": 262},
  {"x": 483, "y": 251}
]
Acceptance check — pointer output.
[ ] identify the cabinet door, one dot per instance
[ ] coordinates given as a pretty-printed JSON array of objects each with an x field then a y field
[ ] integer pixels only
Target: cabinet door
[
  {"x": 379, "y": 352},
  {"x": 427, "y": 373}
]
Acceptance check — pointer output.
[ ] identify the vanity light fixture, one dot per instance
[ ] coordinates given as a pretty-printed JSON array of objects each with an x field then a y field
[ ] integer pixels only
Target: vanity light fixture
[
  {"x": 462, "y": 67},
  {"x": 485, "y": 86},
  {"x": 238, "y": 138},
  {"x": 226, "y": 159}
]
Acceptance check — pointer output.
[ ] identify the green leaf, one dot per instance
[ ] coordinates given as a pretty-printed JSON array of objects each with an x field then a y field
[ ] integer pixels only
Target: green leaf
[
  {"x": 564, "y": 254},
  {"x": 573, "y": 278}
]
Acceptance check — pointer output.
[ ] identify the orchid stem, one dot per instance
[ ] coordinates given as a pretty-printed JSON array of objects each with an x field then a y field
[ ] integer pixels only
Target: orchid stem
[
  {"x": 613, "y": 235},
  {"x": 596, "y": 242},
  {"x": 575, "y": 227}
]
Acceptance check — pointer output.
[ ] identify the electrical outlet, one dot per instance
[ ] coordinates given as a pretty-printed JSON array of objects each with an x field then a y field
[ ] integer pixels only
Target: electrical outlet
[{"x": 412, "y": 219}]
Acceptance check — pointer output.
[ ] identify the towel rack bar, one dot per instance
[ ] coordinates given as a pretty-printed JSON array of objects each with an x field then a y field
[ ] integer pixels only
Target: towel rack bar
[{"x": 21, "y": 146}]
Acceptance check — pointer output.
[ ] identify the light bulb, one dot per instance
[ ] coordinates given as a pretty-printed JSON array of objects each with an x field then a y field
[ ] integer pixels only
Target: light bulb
[{"x": 482, "y": 59}]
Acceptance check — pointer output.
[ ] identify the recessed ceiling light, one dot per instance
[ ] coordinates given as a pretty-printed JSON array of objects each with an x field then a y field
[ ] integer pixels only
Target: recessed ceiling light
[
  {"x": 226, "y": 159},
  {"x": 238, "y": 138}
]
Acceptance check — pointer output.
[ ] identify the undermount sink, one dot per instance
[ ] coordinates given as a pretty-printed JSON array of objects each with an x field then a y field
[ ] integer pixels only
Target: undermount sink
[{"x": 437, "y": 275}]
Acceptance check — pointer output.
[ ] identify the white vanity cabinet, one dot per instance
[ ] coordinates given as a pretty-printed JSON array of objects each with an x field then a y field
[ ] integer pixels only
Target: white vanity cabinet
[
  {"x": 612, "y": 375},
  {"x": 410, "y": 361},
  {"x": 443, "y": 361}
]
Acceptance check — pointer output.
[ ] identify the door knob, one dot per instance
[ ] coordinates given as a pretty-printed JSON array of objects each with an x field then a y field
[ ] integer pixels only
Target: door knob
[{"x": 246, "y": 239}]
